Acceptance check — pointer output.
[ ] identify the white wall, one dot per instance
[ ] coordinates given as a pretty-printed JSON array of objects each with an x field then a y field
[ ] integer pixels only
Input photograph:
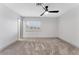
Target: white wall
[
  {"x": 69, "y": 26},
  {"x": 49, "y": 27},
  {"x": 8, "y": 26}
]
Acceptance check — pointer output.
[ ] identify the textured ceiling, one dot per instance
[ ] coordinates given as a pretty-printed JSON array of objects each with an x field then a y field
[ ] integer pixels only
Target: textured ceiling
[{"x": 32, "y": 10}]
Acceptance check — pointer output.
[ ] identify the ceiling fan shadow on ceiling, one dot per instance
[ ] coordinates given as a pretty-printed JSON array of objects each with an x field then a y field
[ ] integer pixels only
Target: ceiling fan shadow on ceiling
[{"x": 45, "y": 7}]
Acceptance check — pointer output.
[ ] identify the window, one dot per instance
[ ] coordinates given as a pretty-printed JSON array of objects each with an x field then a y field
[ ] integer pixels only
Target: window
[{"x": 33, "y": 25}]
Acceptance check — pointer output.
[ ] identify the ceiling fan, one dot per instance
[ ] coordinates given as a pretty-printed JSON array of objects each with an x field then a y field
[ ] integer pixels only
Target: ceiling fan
[{"x": 46, "y": 9}]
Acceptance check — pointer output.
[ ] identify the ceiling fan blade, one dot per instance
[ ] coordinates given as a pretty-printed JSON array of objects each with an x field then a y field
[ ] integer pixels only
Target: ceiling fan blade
[
  {"x": 42, "y": 13},
  {"x": 56, "y": 11}
]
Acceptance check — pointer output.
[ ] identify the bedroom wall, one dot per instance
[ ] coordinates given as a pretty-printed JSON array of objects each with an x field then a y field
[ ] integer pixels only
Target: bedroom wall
[
  {"x": 8, "y": 26},
  {"x": 48, "y": 27},
  {"x": 69, "y": 26}
]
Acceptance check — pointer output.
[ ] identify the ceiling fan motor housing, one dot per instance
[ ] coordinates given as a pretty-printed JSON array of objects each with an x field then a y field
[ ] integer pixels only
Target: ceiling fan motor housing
[{"x": 46, "y": 8}]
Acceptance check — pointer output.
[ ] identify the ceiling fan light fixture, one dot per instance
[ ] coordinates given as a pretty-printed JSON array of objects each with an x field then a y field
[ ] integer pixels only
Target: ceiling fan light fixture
[{"x": 46, "y": 12}]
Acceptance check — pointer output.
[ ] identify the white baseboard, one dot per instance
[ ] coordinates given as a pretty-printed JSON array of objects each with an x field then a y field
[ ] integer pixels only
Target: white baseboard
[
  {"x": 7, "y": 45},
  {"x": 68, "y": 42},
  {"x": 35, "y": 38}
]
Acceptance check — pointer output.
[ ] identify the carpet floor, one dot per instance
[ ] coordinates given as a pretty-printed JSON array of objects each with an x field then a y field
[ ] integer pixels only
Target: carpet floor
[{"x": 41, "y": 47}]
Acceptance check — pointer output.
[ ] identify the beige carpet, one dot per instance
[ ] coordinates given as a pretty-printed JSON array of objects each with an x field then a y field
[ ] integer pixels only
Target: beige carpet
[{"x": 41, "y": 47}]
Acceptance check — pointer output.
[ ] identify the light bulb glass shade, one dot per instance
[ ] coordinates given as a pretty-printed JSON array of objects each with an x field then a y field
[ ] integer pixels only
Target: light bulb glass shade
[{"x": 46, "y": 12}]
